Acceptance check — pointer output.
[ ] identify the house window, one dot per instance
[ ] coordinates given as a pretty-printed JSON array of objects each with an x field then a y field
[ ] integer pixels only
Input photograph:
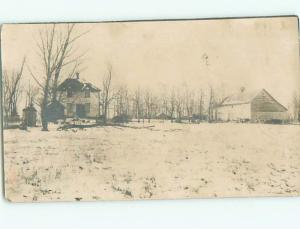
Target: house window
[
  {"x": 69, "y": 109},
  {"x": 87, "y": 94},
  {"x": 87, "y": 107},
  {"x": 69, "y": 93}
]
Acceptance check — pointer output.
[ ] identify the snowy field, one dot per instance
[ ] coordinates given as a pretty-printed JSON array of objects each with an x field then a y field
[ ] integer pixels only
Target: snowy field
[{"x": 163, "y": 161}]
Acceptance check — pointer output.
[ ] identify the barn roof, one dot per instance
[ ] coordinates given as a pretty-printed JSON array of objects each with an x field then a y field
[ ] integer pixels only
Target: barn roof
[
  {"x": 244, "y": 97},
  {"x": 241, "y": 97},
  {"x": 76, "y": 85}
]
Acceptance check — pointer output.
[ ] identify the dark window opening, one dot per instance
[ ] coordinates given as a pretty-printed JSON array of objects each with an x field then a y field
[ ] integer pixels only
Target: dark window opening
[
  {"x": 87, "y": 94},
  {"x": 69, "y": 93}
]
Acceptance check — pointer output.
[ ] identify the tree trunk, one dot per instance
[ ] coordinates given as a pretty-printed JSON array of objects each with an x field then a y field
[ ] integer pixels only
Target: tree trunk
[
  {"x": 44, "y": 119},
  {"x": 44, "y": 106},
  {"x": 105, "y": 114},
  {"x": 138, "y": 113},
  {"x": 54, "y": 89}
]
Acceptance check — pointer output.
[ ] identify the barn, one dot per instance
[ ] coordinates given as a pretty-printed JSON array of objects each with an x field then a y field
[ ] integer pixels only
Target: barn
[{"x": 259, "y": 106}]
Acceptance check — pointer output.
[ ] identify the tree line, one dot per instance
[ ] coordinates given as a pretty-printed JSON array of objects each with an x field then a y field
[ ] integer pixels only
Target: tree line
[
  {"x": 57, "y": 51},
  {"x": 175, "y": 104}
]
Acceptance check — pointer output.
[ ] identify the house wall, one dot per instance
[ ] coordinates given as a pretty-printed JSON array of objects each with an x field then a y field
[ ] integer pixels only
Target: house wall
[
  {"x": 79, "y": 98},
  {"x": 234, "y": 112}
]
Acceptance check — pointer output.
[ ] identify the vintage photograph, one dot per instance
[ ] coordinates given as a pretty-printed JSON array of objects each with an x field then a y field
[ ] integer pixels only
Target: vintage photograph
[{"x": 151, "y": 109}]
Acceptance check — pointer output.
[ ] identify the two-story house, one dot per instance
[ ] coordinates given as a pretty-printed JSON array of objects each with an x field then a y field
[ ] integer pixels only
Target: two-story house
[{"x": 79, "y": 99}]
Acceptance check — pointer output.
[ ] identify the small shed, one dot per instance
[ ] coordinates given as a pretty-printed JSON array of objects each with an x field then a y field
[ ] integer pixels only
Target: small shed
[
  {"x": 163, "y": 116},
  {"x": 29, "y": 115},
  {"x": 55, "y": 111}
]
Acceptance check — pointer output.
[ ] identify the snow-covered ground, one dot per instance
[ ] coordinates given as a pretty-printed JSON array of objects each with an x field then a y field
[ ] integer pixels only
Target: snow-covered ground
[{"x": 163, "y": 161}]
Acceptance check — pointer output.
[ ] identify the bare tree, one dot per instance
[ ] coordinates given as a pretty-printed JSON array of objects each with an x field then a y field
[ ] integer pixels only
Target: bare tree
[
  {"x": 50, "y": 56},
  {"x": 137, "y": 100},
  {"x": 148, "y": 104},
  {"x": 6, "y": 96},
  {"x": 201, "y": 102},
  {"x": 155, "y": 106},
  {"x": 66, "y": 56},
  {"x": 164, "y": 104},
  {"x": 56, "y": 52},
  {"x": 296, "y": 107},
  {"x": 210, "y": 104},
  {"x": 199, "y": 105},
  {"x": 99, "y": 104},
  {"x": 172, "y": 105},
  {"x": 107, "y": 94},
  {"x": 122, "y": 101},
  {"x": 31, "y": 95},
  {"x": 189, "y": 103},
  {"x": 12, "y": 91},
  {"x": 179, "y": 105}
]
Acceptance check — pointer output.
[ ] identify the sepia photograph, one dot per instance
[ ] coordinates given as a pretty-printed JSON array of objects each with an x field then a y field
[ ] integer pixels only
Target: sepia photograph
[{"x": 169, "y": 109}]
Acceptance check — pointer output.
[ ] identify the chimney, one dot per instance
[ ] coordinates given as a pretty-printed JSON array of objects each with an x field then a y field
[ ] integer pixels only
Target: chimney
[{"x": 77, "y": 75}]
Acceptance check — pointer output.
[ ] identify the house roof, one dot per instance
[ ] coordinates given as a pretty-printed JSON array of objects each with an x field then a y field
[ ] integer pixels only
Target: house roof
[
  {"x": 244, "y": 97},
  {"x": 76, "y": 85}
]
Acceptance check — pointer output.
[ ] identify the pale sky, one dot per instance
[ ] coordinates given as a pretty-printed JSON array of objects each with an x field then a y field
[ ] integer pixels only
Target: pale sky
[{"x": 254, "y": 53}]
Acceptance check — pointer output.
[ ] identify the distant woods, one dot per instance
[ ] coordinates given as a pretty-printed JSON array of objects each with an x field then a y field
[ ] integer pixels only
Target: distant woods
[
  {"x": 144, "y": 104},
  {"x": 12, "y": 91}
]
